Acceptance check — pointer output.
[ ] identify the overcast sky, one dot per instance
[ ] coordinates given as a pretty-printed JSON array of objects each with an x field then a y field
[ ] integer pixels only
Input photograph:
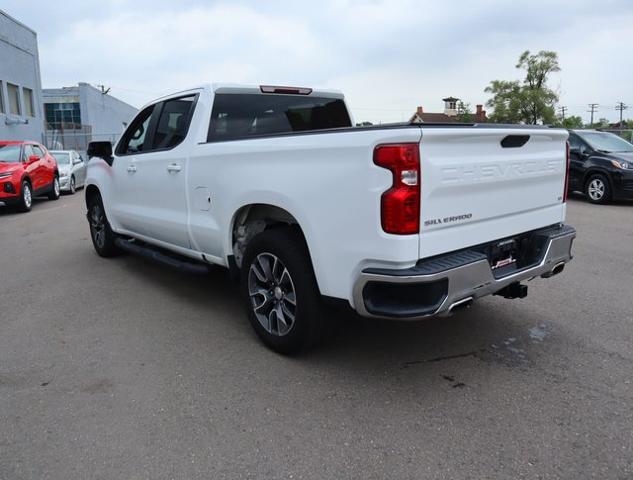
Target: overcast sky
[{"x": 386, "y": 56}]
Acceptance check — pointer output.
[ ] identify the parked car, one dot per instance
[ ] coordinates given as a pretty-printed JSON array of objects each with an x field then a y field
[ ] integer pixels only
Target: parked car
[
  {"x": 601, "y": 166},
  {"x": 72, "y": 170},
  {"x": 27, "y": 170},
  {"x": 401, "y": 221}
]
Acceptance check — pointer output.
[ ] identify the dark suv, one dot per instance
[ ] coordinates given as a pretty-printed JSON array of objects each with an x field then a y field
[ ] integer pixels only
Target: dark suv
[{"x": 601, "y": 166}]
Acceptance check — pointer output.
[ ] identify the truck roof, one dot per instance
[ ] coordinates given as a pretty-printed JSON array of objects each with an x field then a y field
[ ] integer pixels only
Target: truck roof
[{"x": 253, "y": 89}]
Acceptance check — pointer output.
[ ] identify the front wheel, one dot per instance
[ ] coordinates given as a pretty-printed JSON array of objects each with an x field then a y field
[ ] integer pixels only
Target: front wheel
[
  {"x": 100, "y": 232},
  {"x": 73, "y": 187},
  {"x": 598, "y": 189},
  {"x": 55, "y": 191},
  {"x": 280, "y": 291},
  {"x": 26, "y": 199}
]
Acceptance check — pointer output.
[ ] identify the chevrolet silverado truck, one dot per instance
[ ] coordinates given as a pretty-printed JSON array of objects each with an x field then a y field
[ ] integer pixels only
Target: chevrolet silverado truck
[{"x": 399, "y": 221}]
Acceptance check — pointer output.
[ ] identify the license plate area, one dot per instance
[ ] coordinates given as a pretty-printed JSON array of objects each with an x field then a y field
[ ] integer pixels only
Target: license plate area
[{"x": 511, "y": 255}]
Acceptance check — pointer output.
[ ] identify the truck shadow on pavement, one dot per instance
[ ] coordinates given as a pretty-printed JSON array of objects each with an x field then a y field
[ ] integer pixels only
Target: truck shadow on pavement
[{"x": 490, "y": 332}]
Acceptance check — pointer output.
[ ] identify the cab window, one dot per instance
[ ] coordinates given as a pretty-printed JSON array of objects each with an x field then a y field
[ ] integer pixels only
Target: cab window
[
  {"x": 134, "y": 138},
  {"x": 173, "y": 123}
]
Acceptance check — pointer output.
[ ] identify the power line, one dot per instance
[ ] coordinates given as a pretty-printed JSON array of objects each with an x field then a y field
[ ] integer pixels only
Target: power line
[
  {"x": 621, "y": 106},
  {"x": 593, "y": 107},
  {"x": 562, "y": 112}
]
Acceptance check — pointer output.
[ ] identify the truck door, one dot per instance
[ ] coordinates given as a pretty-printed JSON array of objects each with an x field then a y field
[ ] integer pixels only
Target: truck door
[{"x": 157, "y": 195}]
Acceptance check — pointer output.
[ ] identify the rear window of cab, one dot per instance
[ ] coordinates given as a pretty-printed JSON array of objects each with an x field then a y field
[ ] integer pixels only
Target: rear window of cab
[{"x": 239, "y": 116}]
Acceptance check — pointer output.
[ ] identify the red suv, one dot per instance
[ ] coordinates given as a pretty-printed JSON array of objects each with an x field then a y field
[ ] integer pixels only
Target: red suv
[{"x": 26, "y": 170}]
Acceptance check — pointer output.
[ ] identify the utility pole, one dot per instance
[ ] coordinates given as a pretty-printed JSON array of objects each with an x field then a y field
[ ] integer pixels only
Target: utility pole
[
  {"x": 593, "y": 107},
  {"x": 621, "y": 106},
  {"x": 562, "y": 112}
]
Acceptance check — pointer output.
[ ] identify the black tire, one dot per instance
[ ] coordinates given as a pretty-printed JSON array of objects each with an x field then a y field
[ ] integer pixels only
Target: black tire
[
  {"x": 306, "y": 329},
  {"x": 598, "y": 189},
  {"x": 72, "y": 186},
  {"x": 55, "y": 191},
  {"x": 26, "y": 197},
  {"x": 101, "y": 234}
]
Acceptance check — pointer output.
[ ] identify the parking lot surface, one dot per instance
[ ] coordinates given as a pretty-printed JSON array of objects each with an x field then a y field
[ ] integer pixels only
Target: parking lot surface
[{"x": 124, "y": 369}]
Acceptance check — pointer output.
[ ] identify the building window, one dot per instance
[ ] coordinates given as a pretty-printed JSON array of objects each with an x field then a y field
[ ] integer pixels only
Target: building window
[
  {"x": 1, "y": 98},
  {"x": 62, "y": 116},
  {"x": 29, "y": 106},
  {"x": 452, "y": 105},
  {"x": 14, "y": 99}
]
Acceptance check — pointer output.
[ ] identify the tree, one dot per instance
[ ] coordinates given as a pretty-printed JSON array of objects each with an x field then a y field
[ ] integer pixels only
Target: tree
[
  {"x": 571, "y": 122},
  {"x": 601, "y": 123},
  {"x": 530, "y": 100},
  {"x": 464, "y": 113}
]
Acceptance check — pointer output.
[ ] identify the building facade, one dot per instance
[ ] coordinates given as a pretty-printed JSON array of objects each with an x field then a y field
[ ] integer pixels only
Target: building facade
[
  {"x": 21, "y": 112},
  {"x": 75, "y": 116},
  {"x": 451, "y": 114}
]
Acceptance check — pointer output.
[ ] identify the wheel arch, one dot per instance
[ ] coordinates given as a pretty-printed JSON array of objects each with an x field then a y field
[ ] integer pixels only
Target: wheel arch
[
  {"x": 596, "y": 170},
  {"x": 251, "y": 219},
  {"x": 91, "y": 191}
]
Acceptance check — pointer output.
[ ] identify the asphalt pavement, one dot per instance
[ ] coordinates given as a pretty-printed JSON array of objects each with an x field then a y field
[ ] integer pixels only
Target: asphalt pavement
[{"x": 124, "y": 369}]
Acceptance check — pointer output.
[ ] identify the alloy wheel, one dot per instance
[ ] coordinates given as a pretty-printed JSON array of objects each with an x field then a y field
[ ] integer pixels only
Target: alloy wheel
[
  {"x": 272, "y": 293},
  {"x": 97, "y": 225},
  {"x": 56, "y": 186},
  {"x": 28, "y": 197},
  {"x": 72, "y": 185},
  {"x": 596, "y": 189}
]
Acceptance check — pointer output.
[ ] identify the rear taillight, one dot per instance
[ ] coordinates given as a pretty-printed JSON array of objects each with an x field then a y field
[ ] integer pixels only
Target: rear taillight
[
  {"x": 400, "y": 205},
  {"x": 566, "y": 186}
]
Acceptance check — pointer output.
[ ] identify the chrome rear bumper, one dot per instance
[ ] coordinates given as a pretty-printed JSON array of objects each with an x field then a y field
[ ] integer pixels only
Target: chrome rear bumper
[{"x": 467, "y": 273}]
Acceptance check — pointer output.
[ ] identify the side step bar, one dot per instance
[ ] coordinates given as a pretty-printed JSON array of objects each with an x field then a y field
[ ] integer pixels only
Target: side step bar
[{"x": 147, "y": 251}]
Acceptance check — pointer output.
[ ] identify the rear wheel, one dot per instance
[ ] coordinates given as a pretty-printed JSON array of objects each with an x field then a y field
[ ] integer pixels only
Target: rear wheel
[
  {"x": 100, "y": 232},
  {"x": 26, "y": 199},
  {"x": 55, "y": 192},
  {"x": 280, "y": 291},
  {"x": 597, "y": 189}
]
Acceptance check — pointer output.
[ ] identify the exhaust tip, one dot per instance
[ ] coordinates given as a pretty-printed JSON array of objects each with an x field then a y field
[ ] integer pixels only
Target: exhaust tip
[
  {"x": 462, "y": 304},
  {"x": 558, "y": 268}
]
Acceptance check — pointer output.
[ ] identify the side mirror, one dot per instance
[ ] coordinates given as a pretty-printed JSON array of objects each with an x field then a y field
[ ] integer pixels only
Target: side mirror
[
  {"x": 33, "y": 158},
  {"x": 102, "y": 150},
  {"x": 584, "y": 151}
]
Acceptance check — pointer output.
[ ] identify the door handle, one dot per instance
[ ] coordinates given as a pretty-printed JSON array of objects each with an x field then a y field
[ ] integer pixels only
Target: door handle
[
  {"x": 131, "y": 168},
  {"x": 174, "y": 167}
]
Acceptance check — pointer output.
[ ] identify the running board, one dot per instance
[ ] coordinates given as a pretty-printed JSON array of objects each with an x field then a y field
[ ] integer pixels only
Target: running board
[{"x": 147, "y": 251}]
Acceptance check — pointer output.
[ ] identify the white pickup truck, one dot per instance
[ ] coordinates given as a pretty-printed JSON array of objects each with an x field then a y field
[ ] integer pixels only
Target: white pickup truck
[{"x": 400, "y": 221}]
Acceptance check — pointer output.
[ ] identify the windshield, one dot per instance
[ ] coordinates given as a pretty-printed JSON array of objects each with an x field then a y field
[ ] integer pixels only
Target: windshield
[
  {"x": 606, "y": 142},
  {"x": 62, "y": 158},
  {"x": 9, "y": 153}
]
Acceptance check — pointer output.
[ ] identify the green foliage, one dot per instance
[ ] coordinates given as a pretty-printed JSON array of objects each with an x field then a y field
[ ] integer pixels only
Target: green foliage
[
  {"x": 570, "y": 122},
  {"x": 600, "y": 123},
  {"x": 464, "y": 113},
  {"x": 530, "y": 100}
]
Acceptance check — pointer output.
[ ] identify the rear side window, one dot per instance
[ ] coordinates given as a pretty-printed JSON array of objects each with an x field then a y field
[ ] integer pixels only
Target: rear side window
[
  {"x": 236, "y": 116},
  {"x": 173, "y": 123}
]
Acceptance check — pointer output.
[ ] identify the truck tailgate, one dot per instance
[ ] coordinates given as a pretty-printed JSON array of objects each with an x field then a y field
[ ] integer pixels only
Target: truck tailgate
[{"x": 483, "y": 184}]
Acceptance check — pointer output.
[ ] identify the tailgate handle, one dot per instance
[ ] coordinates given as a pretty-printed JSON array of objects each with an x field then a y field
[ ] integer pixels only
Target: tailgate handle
[{"x": 514, "y": 141}]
